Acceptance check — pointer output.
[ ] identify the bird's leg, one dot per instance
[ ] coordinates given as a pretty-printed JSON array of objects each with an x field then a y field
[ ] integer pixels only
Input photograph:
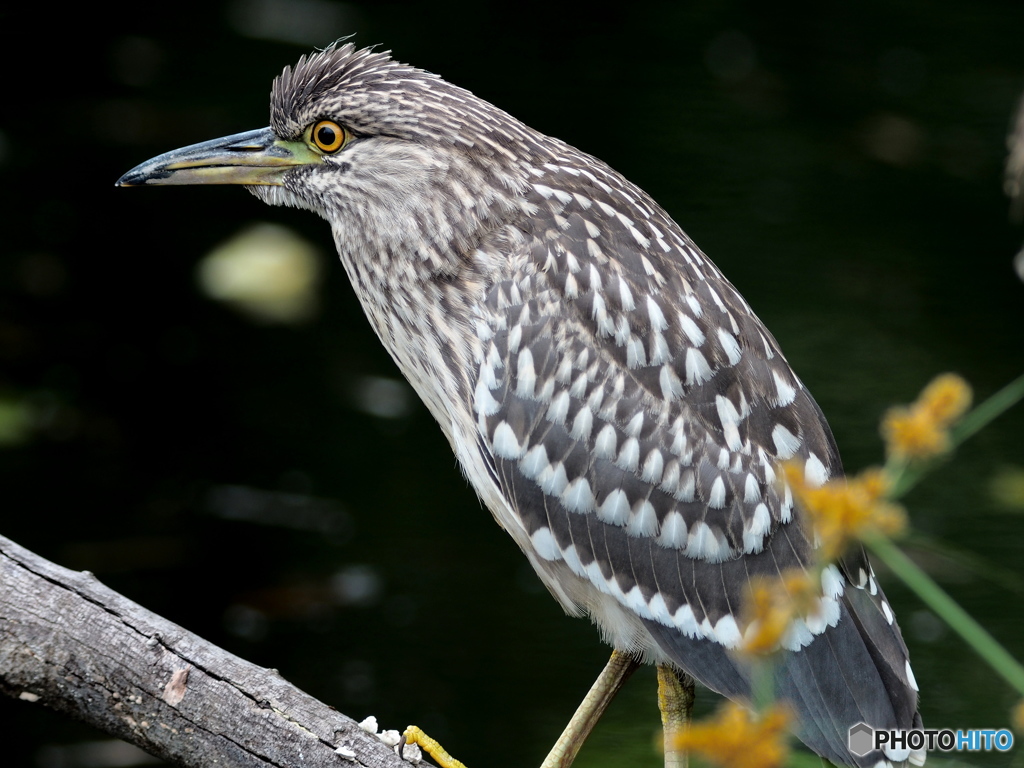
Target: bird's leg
[
  {"x": 675, "y": 700},
  {"x": 618, "y": 669}
]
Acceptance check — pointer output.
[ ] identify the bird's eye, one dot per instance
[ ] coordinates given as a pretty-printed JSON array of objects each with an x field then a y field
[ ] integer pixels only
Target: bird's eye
[{"x": 328, "y": 136}]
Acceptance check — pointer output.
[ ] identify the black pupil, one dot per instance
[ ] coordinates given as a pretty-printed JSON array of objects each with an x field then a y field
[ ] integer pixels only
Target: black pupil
[{"x": 326, "y": 136}]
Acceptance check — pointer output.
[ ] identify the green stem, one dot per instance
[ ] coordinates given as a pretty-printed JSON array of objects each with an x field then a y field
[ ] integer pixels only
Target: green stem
[
  {"x": 762, "y": 683},
  {"x": 903, "y": 477},
  {"x": 989, "y": 410},
  {"x": 948, "y": 610}
]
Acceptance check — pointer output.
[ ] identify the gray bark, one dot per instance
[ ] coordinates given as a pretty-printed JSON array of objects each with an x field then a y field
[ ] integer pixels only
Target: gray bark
[{"x": 76, "y": 646}]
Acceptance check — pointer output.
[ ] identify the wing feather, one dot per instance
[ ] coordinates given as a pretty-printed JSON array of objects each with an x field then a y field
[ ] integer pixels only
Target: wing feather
[{"x": 635, "y": 411}]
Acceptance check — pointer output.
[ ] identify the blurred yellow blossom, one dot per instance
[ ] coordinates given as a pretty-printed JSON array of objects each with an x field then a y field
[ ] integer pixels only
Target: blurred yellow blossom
[
  {"x": 1007, "y": 487},
  {"x": 947, "y": 397},
  {"x": 912, "y": 433},
  {"x": 845, "y": 509},
  {"x": 921, "y": 430},
  {"x": 770, "y": 606},
  {"x": 1017, "y": 717},
  {"x": 736, "y": 738}
]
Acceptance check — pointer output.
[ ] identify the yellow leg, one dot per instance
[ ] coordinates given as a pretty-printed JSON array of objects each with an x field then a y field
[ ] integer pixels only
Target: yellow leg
[
  {"x": 675, "y": 700},
  {"x": 415, "y": 735},
  {"x": 618, "y": 669}
]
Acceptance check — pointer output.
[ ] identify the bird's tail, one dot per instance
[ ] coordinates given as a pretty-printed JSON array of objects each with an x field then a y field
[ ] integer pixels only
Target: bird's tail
[{"x": 854, "y": 672}]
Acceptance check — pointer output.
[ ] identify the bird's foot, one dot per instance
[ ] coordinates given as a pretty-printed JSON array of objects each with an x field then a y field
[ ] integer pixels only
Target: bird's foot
[{"x": 415, "y": 735}]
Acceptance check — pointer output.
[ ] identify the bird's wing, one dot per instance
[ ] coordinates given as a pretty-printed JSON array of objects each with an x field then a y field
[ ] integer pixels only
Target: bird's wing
[
  {"x": 634, "y": 410},
  {"x": 630, "y": 397}
]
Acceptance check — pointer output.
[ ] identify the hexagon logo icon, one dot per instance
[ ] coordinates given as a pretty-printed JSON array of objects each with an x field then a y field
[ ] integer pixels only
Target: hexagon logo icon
[{"x": 861, "y": 739}]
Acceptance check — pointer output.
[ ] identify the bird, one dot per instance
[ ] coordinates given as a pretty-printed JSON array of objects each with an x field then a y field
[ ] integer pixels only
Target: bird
[{"x": 614, "y": 401}]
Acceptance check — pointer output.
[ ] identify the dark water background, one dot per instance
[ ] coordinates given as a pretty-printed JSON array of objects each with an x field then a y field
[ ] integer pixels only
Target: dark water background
[{"x": 841, "y": 163}]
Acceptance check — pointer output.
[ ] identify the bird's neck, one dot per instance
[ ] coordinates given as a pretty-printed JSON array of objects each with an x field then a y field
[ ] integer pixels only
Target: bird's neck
[{"x": 398, "y": 289}]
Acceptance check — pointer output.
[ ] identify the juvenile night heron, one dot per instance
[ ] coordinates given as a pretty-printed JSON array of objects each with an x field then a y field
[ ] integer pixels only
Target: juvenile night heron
[{"x": 611, "y": 397}]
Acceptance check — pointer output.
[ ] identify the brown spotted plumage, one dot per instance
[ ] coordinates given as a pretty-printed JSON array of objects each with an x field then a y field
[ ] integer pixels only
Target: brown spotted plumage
[{"x": 609, "y": 394}]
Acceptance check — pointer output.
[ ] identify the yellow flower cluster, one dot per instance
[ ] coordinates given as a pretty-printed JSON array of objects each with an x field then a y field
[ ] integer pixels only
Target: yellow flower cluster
[
  {"x": 770, "y": 606},
  {"x": 921, "y": 430},
  {"x": 736, "y": 738},
  {"x": 1017, "y": 717},
  {"x": 845, "y": 509}
]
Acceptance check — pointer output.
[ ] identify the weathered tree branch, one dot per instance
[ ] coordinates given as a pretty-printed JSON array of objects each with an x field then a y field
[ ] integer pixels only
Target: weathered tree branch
[{"x": 74, "y": 645}]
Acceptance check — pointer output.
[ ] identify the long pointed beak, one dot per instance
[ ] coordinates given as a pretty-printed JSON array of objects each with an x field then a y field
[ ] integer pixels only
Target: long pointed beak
[{"x": 255, "y": 157}]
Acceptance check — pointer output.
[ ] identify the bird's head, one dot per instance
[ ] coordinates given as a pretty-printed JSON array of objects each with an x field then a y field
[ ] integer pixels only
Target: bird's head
[{"x": 388, "y": 153}]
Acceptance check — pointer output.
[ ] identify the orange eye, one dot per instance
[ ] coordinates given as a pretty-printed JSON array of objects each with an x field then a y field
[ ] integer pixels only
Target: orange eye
[{"x": 328, "y": 136}]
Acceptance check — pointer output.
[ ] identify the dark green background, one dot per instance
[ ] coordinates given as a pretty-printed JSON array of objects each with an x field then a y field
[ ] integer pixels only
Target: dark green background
[{"x": 841, "y": 163}]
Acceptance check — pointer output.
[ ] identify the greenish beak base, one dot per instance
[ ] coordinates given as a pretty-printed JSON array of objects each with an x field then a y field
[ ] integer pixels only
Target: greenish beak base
[{"x": 255, "y": 157}]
